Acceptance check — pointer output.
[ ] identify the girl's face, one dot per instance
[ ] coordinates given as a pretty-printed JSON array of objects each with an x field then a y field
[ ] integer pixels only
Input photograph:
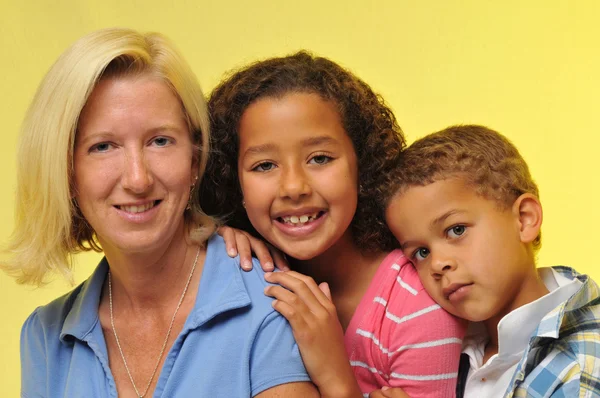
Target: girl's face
[{"x": 298, "y": 173}]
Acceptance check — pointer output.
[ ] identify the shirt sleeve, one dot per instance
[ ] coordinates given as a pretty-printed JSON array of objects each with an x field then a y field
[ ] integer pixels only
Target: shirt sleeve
[
  {"x": 275, "y": 357},
  {"x": 33, "y": 358},
  {"x": 425, "y": 345}
]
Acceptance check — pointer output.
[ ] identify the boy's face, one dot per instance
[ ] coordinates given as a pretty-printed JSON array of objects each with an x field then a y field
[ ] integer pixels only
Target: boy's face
[{"x": 467, "y": 250}]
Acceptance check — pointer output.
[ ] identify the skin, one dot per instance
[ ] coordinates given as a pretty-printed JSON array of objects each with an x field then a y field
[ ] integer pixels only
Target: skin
[
  {"x": 296, "y": 158},
  {"x": 133, "y": 148},
  {"x": 455, "y": 237}
]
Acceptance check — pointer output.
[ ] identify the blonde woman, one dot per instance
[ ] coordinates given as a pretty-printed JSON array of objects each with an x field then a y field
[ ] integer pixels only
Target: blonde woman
[{"x": 111, "y": 149}]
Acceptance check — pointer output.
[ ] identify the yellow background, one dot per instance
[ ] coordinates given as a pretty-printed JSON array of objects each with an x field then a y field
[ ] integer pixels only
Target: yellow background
[{"x": 528, "y": 69}]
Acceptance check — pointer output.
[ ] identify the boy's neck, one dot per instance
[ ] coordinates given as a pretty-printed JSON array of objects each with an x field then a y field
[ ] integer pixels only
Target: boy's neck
[
  {"x": 530, "y": 290},
  {"x": 347, "y": 270}
]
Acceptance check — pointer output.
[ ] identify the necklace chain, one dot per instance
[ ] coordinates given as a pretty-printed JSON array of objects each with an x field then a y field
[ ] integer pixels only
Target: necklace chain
[{"x": 162, "y": 350}]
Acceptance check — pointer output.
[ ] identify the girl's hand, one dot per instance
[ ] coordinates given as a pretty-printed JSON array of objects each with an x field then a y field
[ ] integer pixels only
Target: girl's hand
[
  {"x": 317, "y": 330},
  {"x": 388, "y": 392},
  {"x": 238, "y": 241}
]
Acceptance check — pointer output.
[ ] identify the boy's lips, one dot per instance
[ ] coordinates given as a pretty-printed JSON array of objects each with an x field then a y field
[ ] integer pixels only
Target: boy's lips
[{"x": 454, "y": 289}]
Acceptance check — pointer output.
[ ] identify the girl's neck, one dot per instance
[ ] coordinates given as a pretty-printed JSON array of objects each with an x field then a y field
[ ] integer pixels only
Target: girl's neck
[{"x": 346, "y": 269}]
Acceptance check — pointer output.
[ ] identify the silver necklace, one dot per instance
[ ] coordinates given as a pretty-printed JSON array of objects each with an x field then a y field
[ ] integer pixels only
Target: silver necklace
[{"x": 162, "y": 350}]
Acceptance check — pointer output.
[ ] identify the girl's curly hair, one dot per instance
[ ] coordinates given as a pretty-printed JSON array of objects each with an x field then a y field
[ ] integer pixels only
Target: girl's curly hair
[{"x": 368, "y": 121}]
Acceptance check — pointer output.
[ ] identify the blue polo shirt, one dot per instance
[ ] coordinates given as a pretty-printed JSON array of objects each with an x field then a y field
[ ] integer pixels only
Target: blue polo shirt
[{"x": 233, "y": 343}]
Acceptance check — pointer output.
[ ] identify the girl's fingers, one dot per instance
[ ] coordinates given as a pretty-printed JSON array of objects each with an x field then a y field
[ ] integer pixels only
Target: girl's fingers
[
  {"x": 261, "y": 251},
  {"x": 312, "y": 285},
  {"x": 325, "y": 289},
  {"x": 244, "y": 244},
  {"x": 228, "y": 235},
  {"x": 301, "y": 289},
  {"x": 294, "y": 317},
  {"x": 288, "y": 304},
  {"x": 279, "y": 259}
]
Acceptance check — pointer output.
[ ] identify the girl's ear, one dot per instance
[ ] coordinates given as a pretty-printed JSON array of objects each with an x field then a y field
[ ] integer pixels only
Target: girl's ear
[{"x": 528, "y": 209}]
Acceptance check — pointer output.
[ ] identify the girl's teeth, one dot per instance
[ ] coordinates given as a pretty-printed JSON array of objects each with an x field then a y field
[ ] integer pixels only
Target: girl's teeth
[{"x": 303, "y": 219}]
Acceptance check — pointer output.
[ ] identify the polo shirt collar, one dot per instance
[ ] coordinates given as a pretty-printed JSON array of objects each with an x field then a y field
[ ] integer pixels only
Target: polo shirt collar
[
  {"x": 83, "y": 314},
  {"x": 221, "y": 289}
]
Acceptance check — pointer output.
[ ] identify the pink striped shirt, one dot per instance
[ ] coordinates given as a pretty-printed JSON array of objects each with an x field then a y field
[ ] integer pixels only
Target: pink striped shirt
[{"x": 399, "y": 337}]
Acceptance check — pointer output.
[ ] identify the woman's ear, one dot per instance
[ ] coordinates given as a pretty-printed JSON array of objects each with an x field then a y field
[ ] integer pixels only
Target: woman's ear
[{"x": 528, "y": 209}]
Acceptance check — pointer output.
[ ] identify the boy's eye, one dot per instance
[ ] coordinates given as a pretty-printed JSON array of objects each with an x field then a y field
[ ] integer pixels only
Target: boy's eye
[
  {"x": 421, "y": 254},
  {"x": 456, "y": 231},
  {"x": 320, "y": 159},
  {"x": 264, "y": 166}
]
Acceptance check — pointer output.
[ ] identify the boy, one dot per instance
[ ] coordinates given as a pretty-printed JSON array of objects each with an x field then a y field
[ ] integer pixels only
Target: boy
[{"x": 466, "y": 212}]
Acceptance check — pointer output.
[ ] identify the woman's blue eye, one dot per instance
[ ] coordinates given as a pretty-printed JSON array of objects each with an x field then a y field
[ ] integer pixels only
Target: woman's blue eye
[
  {"x": 456, "y": 231},
  {"x": 265, "y": 166},
  {"x": 421, "y": 253},
  {"x": 320, "y": 159},
  {"x": 161, "y": 141},
  {"x": 101, "y": 147}
]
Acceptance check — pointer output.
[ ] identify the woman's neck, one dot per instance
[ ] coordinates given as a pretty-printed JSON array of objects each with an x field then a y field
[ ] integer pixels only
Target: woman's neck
[{"x": 153, "y": 279}]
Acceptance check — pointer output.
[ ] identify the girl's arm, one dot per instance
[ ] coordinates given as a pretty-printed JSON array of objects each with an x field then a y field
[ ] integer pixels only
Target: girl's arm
[
  {"x": 387, "y": 392},
  {"x": 317, "y": 330}
]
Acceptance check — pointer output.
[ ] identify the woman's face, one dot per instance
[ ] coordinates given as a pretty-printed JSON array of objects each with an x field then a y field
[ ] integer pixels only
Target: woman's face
[
  {"x": 298, "y": 172},
  {"x": 133, "y": 164}
]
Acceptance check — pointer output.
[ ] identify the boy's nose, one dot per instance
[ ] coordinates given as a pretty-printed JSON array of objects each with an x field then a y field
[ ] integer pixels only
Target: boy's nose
[{"x": 441, "y": 264}]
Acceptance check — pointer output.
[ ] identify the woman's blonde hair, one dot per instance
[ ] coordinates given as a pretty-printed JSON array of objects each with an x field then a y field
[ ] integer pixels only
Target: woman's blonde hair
[{"x": 49, "y": 227}]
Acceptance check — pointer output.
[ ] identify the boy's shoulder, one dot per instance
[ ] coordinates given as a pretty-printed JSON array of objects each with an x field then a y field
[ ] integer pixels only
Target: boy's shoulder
[
  {"x": 576, "y": 313},
  {"x": 565, "y": 349}
]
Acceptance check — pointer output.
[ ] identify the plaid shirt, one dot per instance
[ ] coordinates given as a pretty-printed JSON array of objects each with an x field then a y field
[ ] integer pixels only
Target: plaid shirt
[{"x": 563, "y": 356}]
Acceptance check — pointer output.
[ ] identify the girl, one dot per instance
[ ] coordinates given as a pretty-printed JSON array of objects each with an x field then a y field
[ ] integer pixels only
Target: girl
[{"x": 302, "y": 150}]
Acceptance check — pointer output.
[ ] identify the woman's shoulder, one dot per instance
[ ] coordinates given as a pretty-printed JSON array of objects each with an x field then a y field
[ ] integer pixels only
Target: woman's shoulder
[
  {"x": 49, "y": 319},
  {"x": 77, "y": 308},
  {"x": 228, "y": 272}
]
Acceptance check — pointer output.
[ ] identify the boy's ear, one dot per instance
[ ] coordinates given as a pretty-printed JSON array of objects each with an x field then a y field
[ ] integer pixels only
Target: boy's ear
[{"x": 528, "y": 209}]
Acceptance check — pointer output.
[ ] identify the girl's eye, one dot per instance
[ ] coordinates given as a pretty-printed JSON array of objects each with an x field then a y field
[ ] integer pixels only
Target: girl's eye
[
  {"x": 421, "y": 253},
  {"x": 161, "y": 141},
  {"x": 456, "y": 231},
  {"x": 101, "y": 147},
  {"x": 264, "y": 166},
  {"x": 320, "y": 159}
]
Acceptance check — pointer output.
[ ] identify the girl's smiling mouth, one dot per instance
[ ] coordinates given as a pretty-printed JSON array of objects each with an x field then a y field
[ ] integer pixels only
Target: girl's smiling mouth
[
  {"x": 300, "y": 220},
  {"x": 300, "y": 225}
]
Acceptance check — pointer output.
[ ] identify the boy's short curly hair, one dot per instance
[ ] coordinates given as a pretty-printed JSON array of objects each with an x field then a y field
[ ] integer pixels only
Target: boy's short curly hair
[
  {"x": 369, "y": 122},
  {"x": 484, "y": 158}
]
